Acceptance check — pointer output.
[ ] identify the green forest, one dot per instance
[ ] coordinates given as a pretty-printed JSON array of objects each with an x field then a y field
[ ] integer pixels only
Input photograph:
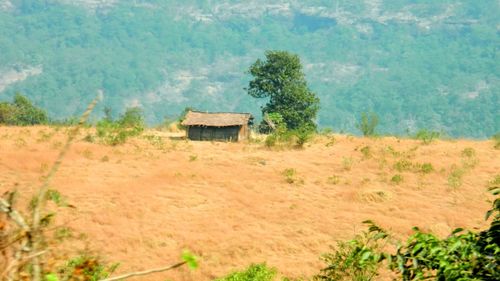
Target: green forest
[{"x": 415, "y": 63}]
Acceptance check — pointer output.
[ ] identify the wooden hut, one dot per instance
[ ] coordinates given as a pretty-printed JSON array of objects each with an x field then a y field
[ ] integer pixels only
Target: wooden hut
[{"x": 221, "y": 126}]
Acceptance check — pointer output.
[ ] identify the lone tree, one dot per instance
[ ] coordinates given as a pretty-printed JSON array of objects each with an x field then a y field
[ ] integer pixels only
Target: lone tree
[{"x": 280, "y": 78}]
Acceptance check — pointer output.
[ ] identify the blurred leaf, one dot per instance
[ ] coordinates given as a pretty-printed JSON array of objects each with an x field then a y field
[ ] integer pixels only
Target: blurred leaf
[{"x": 190, "y": 259}]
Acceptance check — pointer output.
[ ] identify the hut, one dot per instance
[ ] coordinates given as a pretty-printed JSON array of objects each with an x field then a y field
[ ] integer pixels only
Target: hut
[{"x": 221, "y": 126}]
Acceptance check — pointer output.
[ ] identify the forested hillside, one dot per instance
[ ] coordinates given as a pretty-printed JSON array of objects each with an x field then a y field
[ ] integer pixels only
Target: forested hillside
[{"x": 416, "y": 63}]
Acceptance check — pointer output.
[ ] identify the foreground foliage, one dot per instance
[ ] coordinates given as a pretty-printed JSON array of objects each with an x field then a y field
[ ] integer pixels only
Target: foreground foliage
[
  {"x": 356, "y": 260},
  {"x": 255, "y": 272},
  {"x": 463, "y": 255}
]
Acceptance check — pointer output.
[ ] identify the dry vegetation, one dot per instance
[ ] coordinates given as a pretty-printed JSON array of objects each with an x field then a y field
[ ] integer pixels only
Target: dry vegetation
[{"x": 143, "y": 202}]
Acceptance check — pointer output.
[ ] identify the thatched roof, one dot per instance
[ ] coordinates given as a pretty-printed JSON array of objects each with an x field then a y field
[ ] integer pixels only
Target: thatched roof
[{"x": 216, "y": 119}]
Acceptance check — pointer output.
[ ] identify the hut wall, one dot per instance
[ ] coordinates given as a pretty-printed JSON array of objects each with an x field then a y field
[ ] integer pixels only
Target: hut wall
[
  {"x": 230, "y": 133},
  {"x": 244, "y": 132}
]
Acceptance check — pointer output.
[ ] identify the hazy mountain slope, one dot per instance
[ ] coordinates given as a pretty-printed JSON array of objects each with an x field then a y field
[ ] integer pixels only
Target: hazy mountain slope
[{"x": 416, "y": 63}]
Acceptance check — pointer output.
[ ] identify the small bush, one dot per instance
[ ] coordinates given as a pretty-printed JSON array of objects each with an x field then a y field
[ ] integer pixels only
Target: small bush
[
  {"x": 301, "y": 137},
  {"x": 468, "y": 152},
  {"x": 356, "y": 260},
  {"x": 403, "y": 165},
  {"x": 130, "y": 124},
  {"x": 455, "y": 177},
  {"x": 255, "y": 272},
  {"x": 366, "y": 151},
  {"x": 287, "y": 138},
  {"x": 426, "y": 168},
  {"x": 333, "y": 180},
  {"x": 331, "y": 141},
  {"x": 397, "y": 179},
  {"x": 21, "y": 112},
  {"x": 291, "y": 177},
  {"x": 427, "y": 136},
  {"x": 367, "y": 124},
  {"x": 469, "y": 160},
  {"x": 347, "y": 163}
]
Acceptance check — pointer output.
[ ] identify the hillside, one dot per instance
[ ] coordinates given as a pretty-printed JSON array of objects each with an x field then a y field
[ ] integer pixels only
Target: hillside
[
  {"x": 142, "y": 203},
  {"x": 418, "y": 64}
]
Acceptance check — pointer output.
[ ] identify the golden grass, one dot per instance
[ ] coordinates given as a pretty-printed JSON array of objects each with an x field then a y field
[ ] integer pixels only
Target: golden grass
[{"x": 232, "y": 205}]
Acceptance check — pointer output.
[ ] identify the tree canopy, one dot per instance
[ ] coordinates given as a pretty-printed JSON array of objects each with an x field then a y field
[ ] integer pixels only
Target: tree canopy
[
  {"x": 21, "y": 112},
  {"x": 281, "y": 79}
]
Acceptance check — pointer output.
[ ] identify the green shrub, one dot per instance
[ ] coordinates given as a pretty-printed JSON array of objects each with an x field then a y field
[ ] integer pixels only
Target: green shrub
[
  {"x": 112, "y": 132},
  {"x": 455, "y": 177},
  {"x": 347, "y": 163},
  {"x": 301, "y": 137},
  {"x": 366, "y": 151},
  {"x": 255, "y": 272},
  {"x": 291, "y": 177},
  {"x": 403, "y": 165},
  {"x": 367, "y": 124},
  {"x": 426, "y": 168},
  {"x": 357, "y": 260},
  {"x": 282, "y": 136},
  {"x": 468, "y": 152},
  {"x": 21, "y": 112},
  {"x": 86, "y": 267},
  {"x": 333, "y": 180},
  {"x": 427, "y": 136},
  {"x": 397, "y": 179},
  {"x": 462, "y": 255}
]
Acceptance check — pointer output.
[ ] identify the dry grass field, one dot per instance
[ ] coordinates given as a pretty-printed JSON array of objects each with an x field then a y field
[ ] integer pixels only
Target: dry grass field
[{"x": 232, "y": 204}]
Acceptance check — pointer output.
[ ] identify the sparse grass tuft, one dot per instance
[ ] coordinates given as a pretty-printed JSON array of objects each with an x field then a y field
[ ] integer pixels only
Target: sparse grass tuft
[
  {"x": 397, "y": 179},
  {"x": 469, "y": 160},
  {"x": 366, "y": 151},
  {"x": 427, "y": 136},
  {"x": 331, "y": 141},
  {"x": 89, "y": 138},
  {"x": 468, "y": 152},
  {"x": 347, "y": 163},
  {"x": 156, "y": 141},
  {"x": 455, "y": 177},
  {"x": 291, "y": 177},
  {"x": 426, "y": 168},
  {"x": 87, "y": 154},
  {"x": 375, "y": 196},
  {"x": 403, "y": 165},
  {"x": 333, "y": 180},
  {"x": 494, "y": 183}
]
